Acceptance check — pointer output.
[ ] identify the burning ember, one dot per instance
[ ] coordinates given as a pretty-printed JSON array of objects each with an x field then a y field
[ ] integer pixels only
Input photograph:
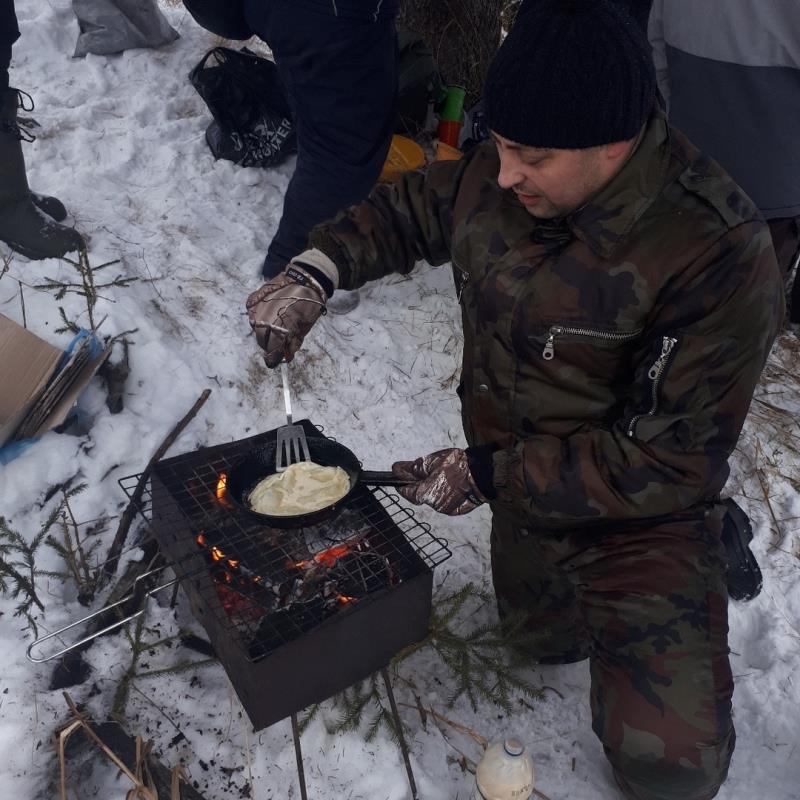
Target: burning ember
[{"x": 304, "y": 592}]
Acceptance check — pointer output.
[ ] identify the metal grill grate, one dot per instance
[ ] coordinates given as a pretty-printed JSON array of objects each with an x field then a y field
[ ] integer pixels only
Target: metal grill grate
[{"x": 265, "y": 586}]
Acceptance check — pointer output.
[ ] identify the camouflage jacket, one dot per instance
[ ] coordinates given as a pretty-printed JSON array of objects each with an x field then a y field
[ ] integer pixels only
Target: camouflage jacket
[{"x": 610, "y": 356}]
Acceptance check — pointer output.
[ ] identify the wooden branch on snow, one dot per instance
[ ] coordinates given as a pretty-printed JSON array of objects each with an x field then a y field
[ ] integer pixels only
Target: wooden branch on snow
[
  {"x": 150, "y": 779},
  {"x": 114, "y": 552}
]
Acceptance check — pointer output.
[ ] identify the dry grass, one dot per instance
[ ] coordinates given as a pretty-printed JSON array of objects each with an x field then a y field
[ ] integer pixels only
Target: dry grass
[{"x": 766, "y": 464}]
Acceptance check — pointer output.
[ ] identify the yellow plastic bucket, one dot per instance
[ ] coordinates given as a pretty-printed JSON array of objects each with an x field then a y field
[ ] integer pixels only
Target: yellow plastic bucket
[{"x": 404, "y": 155}]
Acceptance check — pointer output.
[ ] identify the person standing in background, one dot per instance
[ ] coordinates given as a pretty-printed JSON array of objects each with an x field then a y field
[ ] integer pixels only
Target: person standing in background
[
  {"x": 729, "y": 71},
  {"x": 27, "y": 220},
  {"x": 338, "y": 61}
]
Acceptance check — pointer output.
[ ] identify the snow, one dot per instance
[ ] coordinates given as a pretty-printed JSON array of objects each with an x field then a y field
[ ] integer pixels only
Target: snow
[{"x": 122, "y": 145}]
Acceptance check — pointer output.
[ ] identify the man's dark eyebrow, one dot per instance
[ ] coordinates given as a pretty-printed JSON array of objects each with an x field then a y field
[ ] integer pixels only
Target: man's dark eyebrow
[
  {"x": 507, "y": 144},
  {"x": 541, "y": 151}
]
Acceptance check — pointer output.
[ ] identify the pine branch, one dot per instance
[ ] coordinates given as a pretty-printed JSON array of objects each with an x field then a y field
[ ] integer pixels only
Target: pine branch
[{"x": 309, "y": 717}]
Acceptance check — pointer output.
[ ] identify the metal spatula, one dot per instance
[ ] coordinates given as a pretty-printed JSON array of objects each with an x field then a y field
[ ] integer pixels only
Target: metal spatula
[{"x": 292, "y": 444}]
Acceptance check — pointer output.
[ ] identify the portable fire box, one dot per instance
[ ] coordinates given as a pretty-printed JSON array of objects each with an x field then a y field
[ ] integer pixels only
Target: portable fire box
[{"x": 293, "y": 615}]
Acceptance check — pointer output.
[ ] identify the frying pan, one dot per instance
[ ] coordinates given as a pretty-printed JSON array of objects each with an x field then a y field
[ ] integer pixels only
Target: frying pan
[{"x": 260, "y": 463}]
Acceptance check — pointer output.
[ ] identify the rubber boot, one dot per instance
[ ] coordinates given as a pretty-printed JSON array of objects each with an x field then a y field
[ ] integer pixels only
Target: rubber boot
[
  {"x": 744, "y": 576},
  {"x": 22, "y": 225},
  {"x": 51, "y": 206}
]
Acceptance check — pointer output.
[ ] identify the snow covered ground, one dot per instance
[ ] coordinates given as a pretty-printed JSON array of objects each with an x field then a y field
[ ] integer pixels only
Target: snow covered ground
[{"x": 122, "y": 144}]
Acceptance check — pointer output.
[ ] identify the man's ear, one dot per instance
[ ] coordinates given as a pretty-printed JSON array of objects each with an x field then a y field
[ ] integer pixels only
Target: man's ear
[{"x": 618, "y": 151}]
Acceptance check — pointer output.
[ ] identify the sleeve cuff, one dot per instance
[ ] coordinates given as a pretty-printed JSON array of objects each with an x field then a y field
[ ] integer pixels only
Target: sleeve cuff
[
  {"x": 319, "y": 265},
  {"x": 482, "y": 468}
]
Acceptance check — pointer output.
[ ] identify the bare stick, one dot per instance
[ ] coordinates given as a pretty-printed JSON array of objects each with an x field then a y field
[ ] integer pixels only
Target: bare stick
[
  {"x": 22, "y": 303},
  {"x": 6, "y": 266},
  {"x": 778, "y": 534},
  {"x": 82, "y": 563},
  {"x": 115, "y": 550},
  {"x": 481, "y": 740}
]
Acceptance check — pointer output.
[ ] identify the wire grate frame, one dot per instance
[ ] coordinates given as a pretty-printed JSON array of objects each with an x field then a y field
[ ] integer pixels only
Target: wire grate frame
[{"x": 267, "y": 586}]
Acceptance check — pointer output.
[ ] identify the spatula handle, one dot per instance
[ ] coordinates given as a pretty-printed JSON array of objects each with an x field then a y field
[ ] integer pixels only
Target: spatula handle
[{"x": 287, "y": 398}]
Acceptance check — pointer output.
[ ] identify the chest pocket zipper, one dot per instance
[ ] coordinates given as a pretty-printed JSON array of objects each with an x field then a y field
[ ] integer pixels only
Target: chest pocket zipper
[
  {"x": 655, "y": 374},
  {"x": 549, "y": 351}
]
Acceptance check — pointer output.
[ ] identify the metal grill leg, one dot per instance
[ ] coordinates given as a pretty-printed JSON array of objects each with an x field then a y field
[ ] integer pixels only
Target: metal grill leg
[
  {"x": 299, "y": 755},
  {"x": 399, "y": 728}
]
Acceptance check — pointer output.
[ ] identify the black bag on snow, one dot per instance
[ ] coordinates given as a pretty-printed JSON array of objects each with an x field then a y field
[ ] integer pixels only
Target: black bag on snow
[{"x": 252, "y": 119}]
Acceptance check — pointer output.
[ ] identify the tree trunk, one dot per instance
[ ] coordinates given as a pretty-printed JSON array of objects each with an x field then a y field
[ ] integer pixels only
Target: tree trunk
[{"x": 463, "y": 36}]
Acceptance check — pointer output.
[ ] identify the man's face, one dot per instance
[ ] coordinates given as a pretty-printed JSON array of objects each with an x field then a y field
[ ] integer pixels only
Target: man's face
[{"x": 552, "y": 183}]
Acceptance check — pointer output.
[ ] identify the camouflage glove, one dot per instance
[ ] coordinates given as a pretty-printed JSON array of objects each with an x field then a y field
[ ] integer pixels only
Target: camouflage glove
[
  {"x": 284, "y": 309},
  {"x": 443, "y": 480}
]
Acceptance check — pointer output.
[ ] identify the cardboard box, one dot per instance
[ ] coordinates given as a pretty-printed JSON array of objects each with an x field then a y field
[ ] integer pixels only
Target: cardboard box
[{"x": 40, "y": 383}]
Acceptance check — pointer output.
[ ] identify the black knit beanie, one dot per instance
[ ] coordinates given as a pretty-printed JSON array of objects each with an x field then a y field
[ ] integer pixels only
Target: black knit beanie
[{"x": 570, "y": 74}]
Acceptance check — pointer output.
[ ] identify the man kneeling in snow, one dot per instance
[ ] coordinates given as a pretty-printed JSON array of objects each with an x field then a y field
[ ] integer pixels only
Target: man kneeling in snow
[{"x": 619, "y": 296}]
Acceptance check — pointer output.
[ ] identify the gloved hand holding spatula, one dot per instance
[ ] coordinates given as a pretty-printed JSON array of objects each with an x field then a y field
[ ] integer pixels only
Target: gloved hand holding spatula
[{"x": 284, "y": 310}]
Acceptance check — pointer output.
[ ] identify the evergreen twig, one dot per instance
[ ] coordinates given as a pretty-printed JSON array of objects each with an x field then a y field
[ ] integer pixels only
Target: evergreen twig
[
  {"x": 18, "y": 569},
  {"x": 86, "y": 288}
]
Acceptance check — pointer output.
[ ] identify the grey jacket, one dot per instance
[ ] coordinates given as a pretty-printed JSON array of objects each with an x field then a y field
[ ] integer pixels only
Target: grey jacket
[{"x": 730, "y": 73}]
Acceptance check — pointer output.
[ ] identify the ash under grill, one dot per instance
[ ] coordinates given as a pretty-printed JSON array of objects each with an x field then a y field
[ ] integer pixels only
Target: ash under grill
[{"x": 294, "y": 615}]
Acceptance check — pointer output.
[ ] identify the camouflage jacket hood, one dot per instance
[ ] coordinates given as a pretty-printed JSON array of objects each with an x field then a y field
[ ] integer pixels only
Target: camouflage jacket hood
[{"x": 609, "y": 357}]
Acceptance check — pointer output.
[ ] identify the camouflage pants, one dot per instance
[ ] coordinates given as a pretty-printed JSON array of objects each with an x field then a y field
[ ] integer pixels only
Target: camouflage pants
[{"x": 648, "y": 606}]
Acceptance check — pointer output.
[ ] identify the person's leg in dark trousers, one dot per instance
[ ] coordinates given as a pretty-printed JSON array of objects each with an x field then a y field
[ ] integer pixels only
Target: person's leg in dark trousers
[
  {"x": 651, "y": 605},
  {"x": 23, "y": 226},
  {"x": 341, "y": 76},
  {"x": 9, "y": 33}
]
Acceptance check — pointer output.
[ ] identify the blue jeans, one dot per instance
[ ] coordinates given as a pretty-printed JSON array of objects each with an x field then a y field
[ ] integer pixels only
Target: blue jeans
[{"x": 340, "y": 71}]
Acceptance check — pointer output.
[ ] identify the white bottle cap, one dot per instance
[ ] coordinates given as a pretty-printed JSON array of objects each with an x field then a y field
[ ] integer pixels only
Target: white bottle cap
[{"x": 514, "y": 747}]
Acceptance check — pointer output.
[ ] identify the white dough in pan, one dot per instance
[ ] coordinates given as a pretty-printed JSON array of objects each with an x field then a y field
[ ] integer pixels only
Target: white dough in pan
[{"x": 300, "y": 489}]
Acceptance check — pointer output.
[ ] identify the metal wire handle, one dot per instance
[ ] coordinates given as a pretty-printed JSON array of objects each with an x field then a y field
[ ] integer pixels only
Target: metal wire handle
[{"x": 111, "y": 627}]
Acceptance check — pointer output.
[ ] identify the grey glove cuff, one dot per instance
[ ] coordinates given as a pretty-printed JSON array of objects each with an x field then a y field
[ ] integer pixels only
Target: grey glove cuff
[{"x": 317, "y": 259}]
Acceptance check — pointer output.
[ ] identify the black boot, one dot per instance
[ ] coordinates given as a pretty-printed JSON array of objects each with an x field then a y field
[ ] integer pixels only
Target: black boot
[
  {"x": 744, "y": 575},
  {"x": 22, "y": 225},
  {"x": 51, "y": 206}
]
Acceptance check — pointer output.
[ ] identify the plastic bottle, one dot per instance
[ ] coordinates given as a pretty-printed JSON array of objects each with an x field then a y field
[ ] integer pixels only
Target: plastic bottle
[{"x": 504, "y": 773}]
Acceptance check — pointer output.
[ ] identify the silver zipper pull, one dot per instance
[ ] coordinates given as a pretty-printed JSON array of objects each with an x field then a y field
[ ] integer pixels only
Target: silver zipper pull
[
  {"x": 549, "y": 352},
  {"x": 667, "y": 343}
]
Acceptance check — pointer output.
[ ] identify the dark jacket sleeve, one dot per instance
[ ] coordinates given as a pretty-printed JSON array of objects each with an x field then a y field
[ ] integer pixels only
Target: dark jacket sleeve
[
  {"x": 669, "y": 449},
  {"x": 398, "y": 225}
]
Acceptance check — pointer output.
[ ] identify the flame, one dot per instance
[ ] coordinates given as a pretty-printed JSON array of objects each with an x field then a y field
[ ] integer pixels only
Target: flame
[
  {"x": 217, "y": 554},
  {"x": 222, "y": 486},
  {"x": 345, "y": 600}
]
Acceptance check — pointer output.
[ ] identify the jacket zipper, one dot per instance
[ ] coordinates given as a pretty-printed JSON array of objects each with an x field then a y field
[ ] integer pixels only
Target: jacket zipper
[
  {"x": 549, "y": 351},
  {"x": 655, "y": 374}
]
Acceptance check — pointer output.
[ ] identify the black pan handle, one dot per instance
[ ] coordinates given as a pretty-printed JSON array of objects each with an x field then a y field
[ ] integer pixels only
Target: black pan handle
[{"x": 373, "y": 478}]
